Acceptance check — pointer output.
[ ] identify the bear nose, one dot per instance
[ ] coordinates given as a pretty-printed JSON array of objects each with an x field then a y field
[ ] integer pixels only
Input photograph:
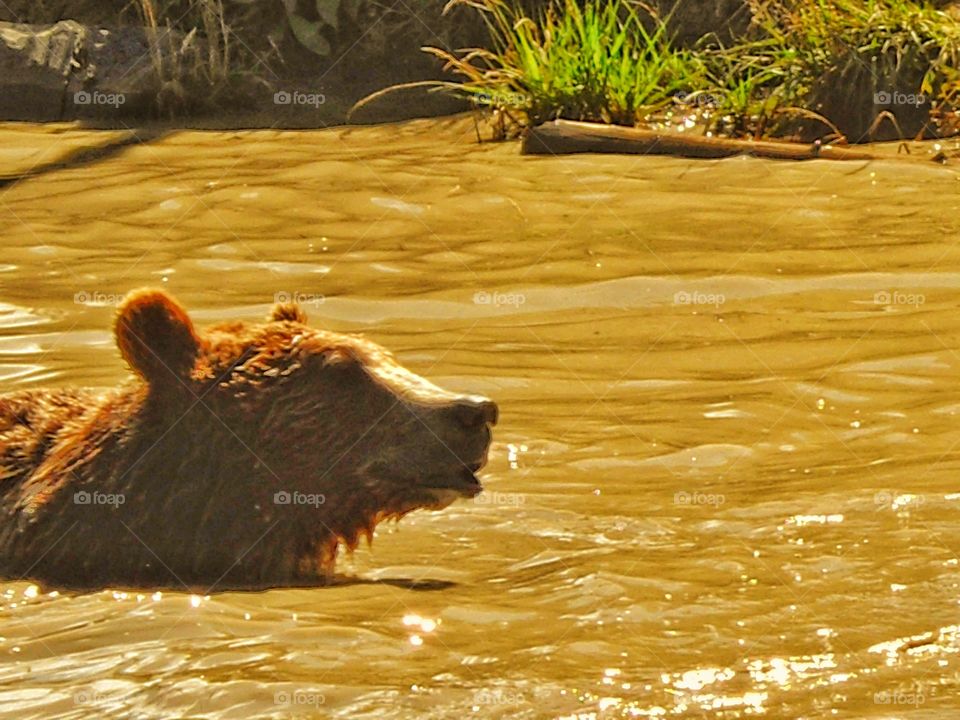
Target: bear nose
[{"x": 472, "y": 413}]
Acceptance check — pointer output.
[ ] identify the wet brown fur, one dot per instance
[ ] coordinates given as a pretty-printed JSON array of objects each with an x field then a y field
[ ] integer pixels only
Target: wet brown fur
[{"x": 198, "y": 446}]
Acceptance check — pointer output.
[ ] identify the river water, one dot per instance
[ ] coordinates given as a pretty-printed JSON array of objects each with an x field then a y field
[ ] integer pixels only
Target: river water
[{"x": 725, "y": 479}]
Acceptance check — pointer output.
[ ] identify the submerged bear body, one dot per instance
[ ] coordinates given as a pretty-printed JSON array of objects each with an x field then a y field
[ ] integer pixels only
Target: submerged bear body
[{"x": 240, "y": 458}]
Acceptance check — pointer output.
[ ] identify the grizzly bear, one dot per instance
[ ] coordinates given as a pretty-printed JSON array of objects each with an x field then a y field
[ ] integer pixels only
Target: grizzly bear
[{"x": 238, "y": 458}]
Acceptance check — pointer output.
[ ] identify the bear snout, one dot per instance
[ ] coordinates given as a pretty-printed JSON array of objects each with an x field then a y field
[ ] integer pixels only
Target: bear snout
[
  {"x": 464, "y": 429},
  {"x": 474, "y": 412}
]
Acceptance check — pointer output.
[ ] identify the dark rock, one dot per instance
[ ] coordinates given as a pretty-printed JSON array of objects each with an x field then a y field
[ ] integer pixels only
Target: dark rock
[
  {"x": 68, "y": 71},
  {"x": 36, "y": 63},
  {"x": 128, "y": 72}
]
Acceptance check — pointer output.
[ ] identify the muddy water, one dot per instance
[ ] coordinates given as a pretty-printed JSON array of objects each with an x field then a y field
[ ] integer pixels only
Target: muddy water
[{"x": 725, "y": 482}]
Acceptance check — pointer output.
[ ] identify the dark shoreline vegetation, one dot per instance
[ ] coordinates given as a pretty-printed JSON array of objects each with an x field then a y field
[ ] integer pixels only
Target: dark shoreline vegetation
[
  {"x": 847, "y": 70},
  {"x": 221, "y": 63},
  {"x": 835, "y": 70}
]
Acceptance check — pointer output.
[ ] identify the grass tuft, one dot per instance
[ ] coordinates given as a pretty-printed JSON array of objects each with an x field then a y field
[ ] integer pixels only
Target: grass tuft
[
  {"x": 802, "y": 61},
  {"x": 581, "y": 61}
]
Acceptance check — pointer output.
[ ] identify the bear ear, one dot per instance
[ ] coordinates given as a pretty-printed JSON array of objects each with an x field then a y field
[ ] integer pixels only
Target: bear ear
[
  {"x": 290, "y": 312},
  {"x": 156, "y": 337}
]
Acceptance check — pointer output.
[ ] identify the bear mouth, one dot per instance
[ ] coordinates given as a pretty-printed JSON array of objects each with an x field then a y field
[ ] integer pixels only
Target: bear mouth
[
  {"x": 429, "y": 492},
  {"x": 462, "y": 482}
]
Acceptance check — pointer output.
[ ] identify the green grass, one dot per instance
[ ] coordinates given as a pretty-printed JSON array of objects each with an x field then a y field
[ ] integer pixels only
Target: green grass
[
  {"x": 590, "y": 61},
  {"x": 600, "y": 60},
  {"x": 810, "y": 54}
]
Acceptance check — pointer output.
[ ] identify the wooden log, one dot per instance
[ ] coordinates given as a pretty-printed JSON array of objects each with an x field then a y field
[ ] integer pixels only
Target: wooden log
[{"x": 561, "y": 137}]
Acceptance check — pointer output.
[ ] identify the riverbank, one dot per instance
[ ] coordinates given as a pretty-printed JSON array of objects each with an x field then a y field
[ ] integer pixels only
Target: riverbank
[
  {"x": 217, "y": 64},
  {"x": 838, "y": 71}
]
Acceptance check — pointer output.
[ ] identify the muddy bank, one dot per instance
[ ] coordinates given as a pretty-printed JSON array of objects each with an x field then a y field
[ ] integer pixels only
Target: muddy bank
[
  {"x": 294, "y": 66},
  {"x": 102, "y": 62},
  {"x": 111, "y": 65},
  {"x": 112, "y": 76}
]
